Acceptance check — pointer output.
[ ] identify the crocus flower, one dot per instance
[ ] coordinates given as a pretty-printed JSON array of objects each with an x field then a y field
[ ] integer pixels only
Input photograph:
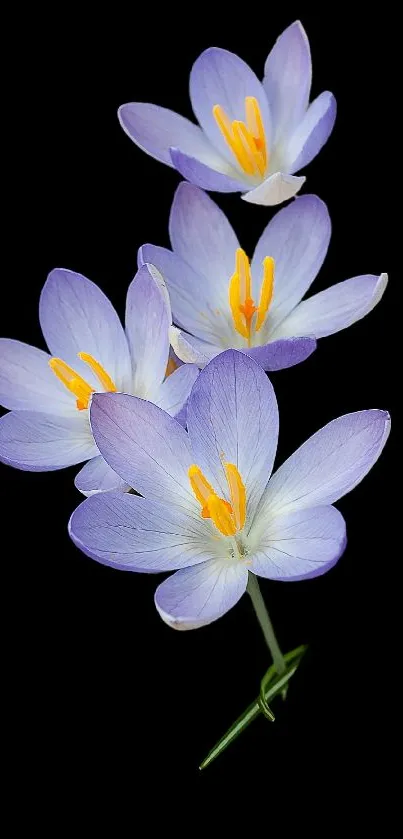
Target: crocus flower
[
  {"x": 48, "y": 427},
  {"x": 219, "y": 300},
  {"x": 209, "y": 508},
  {"x": 253, "y": 136}
]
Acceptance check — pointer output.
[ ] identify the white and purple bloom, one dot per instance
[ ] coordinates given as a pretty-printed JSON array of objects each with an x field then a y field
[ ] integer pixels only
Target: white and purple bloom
[
  {"x": 252, "y": 136},
  {"x": 210, "y": 508},
  {"x": 221, "y": 301},
  {"x": 49, "y": 395}
]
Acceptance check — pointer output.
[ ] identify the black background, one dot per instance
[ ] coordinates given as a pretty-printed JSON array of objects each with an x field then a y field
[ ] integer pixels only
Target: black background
[{"x": 100, "y": 693}]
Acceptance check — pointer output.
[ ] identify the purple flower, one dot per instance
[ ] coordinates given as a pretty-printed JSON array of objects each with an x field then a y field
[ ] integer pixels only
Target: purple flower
[
  {"x": 48, "y": 427},
  {"x": 220, "y": 301},
  {"x": 253, "y": 136},
  {"x": 209, "y": 508}
]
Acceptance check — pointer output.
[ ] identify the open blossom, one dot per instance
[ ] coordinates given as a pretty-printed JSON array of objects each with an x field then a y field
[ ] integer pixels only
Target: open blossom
[
  {"x": 252, "y": 137},
  {"x": 210, "y": 508},
  {"x": 50, "y": 395},
  {"x": 220, "y": 300}
]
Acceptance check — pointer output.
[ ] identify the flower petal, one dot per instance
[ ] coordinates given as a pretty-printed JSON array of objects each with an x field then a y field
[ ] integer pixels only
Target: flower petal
[
  {"x": 38, "y": 442},
  {"x": 233, "y": 417},
  {"x": 192, "y": 350},
  {"x": 96, "y": 476},
  {"x": 203, "y": 237},
  {"x": 27, "y": 382},
  {"x": 297, "y": 238},
  {"x": 287, "y": 79},
  {"x": 278, "y": 355},
  {"x": 219, "y": 77},
  {"x": 197, "y": 596},
  {"x": 145, "y": 446},
  {"x": 173, "y": 394},
  {"x": 192, "y": 307},
  {"x": 219, "y": 177},
  {"x": 136, "y": 534},
  {"x": 335, "y": 308},
  {"x": 274, "y": 190},
  {"x": 147, "y": 324},
  {"x": 299, "y": 545},
  {"x": 76, "y": 316},
  {"x": 312, "y": 132},
  {"x": 330, "y": 464},
  {"x": 155, "y": 130}
]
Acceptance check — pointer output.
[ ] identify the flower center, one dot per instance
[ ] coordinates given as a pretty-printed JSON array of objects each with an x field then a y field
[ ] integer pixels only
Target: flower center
[
  {"x": 76, "y": 384},
  {"x": 228, "y": 518},
  {"x": 246, "y": 140},
  {"x": 242, "y": 304}
]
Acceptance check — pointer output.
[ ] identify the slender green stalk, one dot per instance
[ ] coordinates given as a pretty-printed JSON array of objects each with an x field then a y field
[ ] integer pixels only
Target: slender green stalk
[{"x": 266, "y": 624}]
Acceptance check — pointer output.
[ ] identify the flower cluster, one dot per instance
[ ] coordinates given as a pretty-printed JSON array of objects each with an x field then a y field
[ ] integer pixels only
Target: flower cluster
[{"x": 173, "y": 414}]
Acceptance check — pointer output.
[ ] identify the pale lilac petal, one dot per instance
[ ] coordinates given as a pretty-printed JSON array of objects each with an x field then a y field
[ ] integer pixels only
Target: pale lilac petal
[
  {"x": 279, "y": 355},
  {"x": 298, "y": 545},
  {"x": 155, "y": 130},
  {"x": 312, "y": 132},
  {"x": 145, "y": 446},
  {"x": 193, "y": 303},
  {"x": 174, "y": 392},
  {"x": 287, "y": 79},
  {"x": 38, "y": 442},
  {"x": 233, "y": 417},
  {"x": 147, "y": 325},
  {"x": 197, "y": 596},
  {"x": 206, "y": 175},
  {"x": 27, "y": 382},
  {"x": 219, "y": 77},
  {"x": 274, "y": 190},
  {"x": 192, "y": 350},
  {"x": 97, "y": 476},
  {"x": 330, "y": 464},
  {"x": 76, "y": 317},
  {"x": 335, "y": 308},
  {"x": 203, "y": 237},
  {"x": 136, "y": 534},
  {"x": 297, "y": 238}
]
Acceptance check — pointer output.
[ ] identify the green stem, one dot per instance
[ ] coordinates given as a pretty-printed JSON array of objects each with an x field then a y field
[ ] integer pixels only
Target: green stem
[{"x": 266, "y": 624}]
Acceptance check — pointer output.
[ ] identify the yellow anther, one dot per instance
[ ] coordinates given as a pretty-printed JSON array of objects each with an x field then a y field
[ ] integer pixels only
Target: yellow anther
[
  {"x": 266, "y": 292},
  {"x": 228, "y": 518},
  {"x": 76, "y": 384},
  {"x": 246, "y": 140}
]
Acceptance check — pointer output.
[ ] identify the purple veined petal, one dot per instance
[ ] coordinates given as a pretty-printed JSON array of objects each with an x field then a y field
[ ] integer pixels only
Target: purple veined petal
[
  {"x": 38, "y": 442},
  {"x": 297, "y": 238},
  {"x": 298, "y": 545},
  {"x": 192, "y": 350},
  {"x": 202, "y": 236},
  {"x": 145, "y": 446},
  {"x": 312, "y": 132},
  {"x": 217, "y": 178},
  {"x": 274, "y": 190},
  {"x": 330, "y": 464},
  {"x": 287, "y": 79},
  {"x": 96, "y": 476},
  {"x": 155, "y": 130},
  {"x": 233, "y": 417},
  {"x": 278, "y": 355},
  {"x": 219, "y": 77},
  {"x": 136, "y": 534},
  {"x": 335, "y": 308},
  {"x": 27, "y": 382},
  {"x": 148, "y": 319},
  {"x": 197, "y": 596},
  {"x": 76, "y": 316},
  {"x": 174, "y": 392},
  {"x": 193, "y": 303}
]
